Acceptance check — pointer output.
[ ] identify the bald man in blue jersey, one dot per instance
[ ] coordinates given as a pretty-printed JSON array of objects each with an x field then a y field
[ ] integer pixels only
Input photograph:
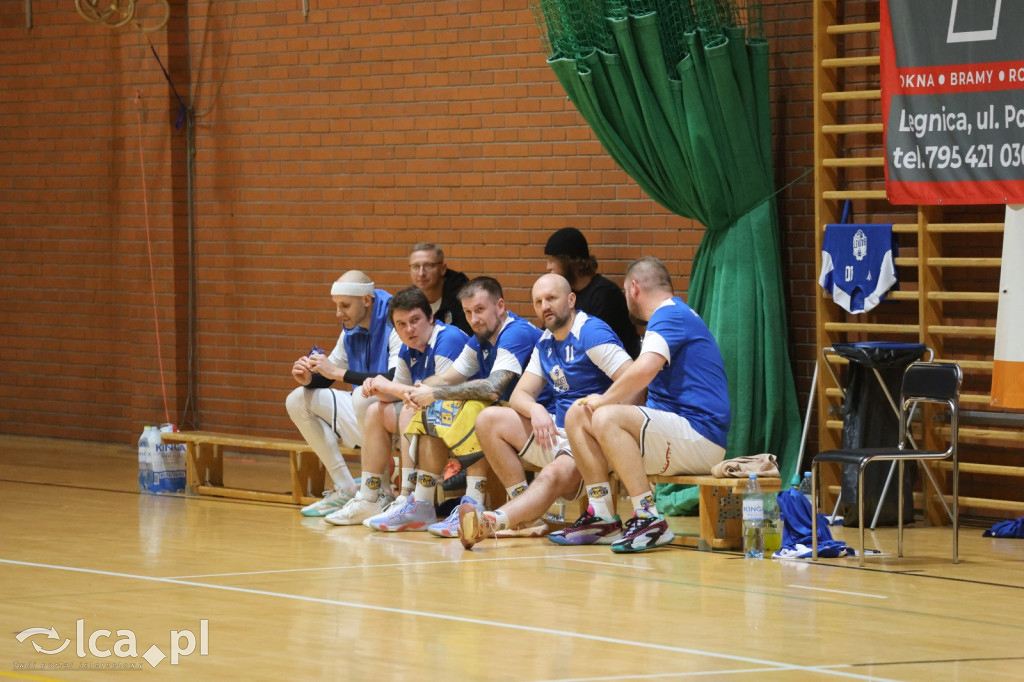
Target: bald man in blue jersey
[
  {"x": 680, "y": 429},
  {"x": 577, "y": 355}
]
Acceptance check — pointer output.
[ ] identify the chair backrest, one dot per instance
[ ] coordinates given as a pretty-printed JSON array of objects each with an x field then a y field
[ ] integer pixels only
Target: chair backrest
[{"x": 933, "y": 382}]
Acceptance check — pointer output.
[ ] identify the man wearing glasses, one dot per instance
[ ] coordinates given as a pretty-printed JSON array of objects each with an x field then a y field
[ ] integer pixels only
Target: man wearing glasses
[{"x": 430, "y": 275}]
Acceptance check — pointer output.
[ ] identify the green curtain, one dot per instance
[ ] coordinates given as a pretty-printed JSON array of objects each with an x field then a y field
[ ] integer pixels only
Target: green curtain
[{"x": 696, "y": 138}]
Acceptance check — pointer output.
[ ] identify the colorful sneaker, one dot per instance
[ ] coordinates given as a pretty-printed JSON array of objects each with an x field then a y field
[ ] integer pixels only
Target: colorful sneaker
[
  {"x": 589, "y": 529},
  {"x": 413, "y": 515},
  {"x": 396, "y": 504},
  {"x": 333, "y": 501},
  {"x": 537, "y": 529},
  {"x": 474, "y": 524},
  {"x": 643, "y": 532},
  {"x": 449, "y": 528},
  {"x": 358, "y": 510}
]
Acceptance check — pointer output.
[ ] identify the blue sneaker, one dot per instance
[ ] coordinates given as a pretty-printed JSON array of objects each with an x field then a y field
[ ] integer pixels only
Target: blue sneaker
[
  {"x": 643, "y": 532},
  {"x": 449, "y": 528},
  {"x": 413, "y": 515}
]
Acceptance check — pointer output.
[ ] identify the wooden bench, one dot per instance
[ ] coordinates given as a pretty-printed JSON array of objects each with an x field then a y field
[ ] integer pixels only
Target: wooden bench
[
  {"x": 721, "y": 512},
  {"x": 205, "y": 465}
]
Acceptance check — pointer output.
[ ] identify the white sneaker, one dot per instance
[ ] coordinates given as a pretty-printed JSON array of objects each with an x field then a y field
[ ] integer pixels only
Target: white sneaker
[
  {"x": 333, "y": 501},
  {"x": 388, "y": 510},
  {"x": 358, "y": 510}
]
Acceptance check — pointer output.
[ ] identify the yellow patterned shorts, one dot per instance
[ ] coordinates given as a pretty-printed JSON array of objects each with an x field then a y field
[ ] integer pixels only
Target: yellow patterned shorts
[{"x": 454, "y": 422}]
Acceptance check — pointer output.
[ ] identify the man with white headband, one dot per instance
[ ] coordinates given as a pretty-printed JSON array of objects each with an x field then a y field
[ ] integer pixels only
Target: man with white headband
[
  {"x": 428, "y": 347},
  {"x": 326, "y": 416}
]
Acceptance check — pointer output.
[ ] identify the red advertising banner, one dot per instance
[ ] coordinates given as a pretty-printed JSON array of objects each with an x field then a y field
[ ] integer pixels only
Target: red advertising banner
[{"x": 953, "y": 101}]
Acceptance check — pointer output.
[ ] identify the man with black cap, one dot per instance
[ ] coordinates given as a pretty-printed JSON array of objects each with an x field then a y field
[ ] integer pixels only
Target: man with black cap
[{"x": 569, "y": 256}]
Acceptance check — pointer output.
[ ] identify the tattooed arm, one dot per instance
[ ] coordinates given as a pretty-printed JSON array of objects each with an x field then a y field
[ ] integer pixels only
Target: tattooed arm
[{"x": 487, "y": 390}]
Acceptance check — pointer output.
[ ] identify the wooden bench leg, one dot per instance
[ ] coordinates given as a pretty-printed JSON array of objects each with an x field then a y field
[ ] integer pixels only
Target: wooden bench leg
[
  {"x": 192, "y": 480},
  {"x": 725, "y": 523},
  {"x": 209, "y": 463},
  {"x": 308, "y": 475}
]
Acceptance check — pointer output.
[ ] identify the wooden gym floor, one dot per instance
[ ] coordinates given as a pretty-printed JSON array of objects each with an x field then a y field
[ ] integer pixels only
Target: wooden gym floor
[{"x": 284, "y": 597}]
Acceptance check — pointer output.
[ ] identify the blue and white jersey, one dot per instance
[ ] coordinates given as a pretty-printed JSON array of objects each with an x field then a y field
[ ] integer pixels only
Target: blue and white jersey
[
  {"x": 444, "y": 346},
  {"x": 857, "y": 264},
  {"x": 581, "y": 365},
  {"x": 510, "y": 351},
  {"x": 373, "y": 350},
  {"x": 692, "y": 383}
]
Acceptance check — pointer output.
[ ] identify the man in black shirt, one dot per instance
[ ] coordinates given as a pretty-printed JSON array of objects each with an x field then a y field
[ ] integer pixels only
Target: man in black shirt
[
  {"x": 430, "y": 275},
  {"x": 569, "y": 256}
]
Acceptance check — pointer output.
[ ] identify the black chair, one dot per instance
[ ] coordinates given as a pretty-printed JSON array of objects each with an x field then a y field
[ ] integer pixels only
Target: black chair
[{"x": 923, "y": 382}]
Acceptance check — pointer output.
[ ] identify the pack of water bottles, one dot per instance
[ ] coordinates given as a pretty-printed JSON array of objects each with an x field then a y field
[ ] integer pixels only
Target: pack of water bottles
[{"x": 161, "y": 465}]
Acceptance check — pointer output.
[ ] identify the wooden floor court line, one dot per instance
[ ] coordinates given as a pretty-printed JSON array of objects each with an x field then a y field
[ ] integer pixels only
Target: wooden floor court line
[
  {"x": 774, "y": 666},
  {"x": 826, "y": 589},
  {"x": 851, "y": 604},
  {"x": 703, "y": 673},
  {"x": 382, "y": 565}
]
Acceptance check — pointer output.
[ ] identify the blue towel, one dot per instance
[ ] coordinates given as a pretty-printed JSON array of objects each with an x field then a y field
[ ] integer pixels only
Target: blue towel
[
  {"x": 1006, "y": 529},
  {"x": 796, "y": 530}
]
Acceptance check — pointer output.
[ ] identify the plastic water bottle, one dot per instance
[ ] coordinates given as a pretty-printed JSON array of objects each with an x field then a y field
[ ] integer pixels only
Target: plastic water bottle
[
  {"x": 173, "y": 455},
  {"x": 145, "y": 472},
  {"x": 772, "y": 524},
  {"x": 753, "y": 519},
  {"x": 156, "y": 461},
  {"x": 805, "y": 488},
  {"x": 556, "y": 512}
]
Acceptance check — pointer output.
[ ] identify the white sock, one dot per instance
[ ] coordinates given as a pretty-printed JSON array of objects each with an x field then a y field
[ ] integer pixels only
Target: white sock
[
  {"x": 426, "y": 487},
  {"x": 600, "y": 497},
  {"x": 501, "y": 521},
  {"x": 408, "y": 480},
  {"x": 643, "y": 505},
  {"x": 342, "y": 477},
  {"x": 517, "y": 489},
  {"x": 370, "y": 488},
  {"x": 476, "y": 487}
]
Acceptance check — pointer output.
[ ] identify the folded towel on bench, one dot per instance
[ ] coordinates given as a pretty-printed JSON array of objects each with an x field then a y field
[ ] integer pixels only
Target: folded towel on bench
[{"x": 741, "y": 467}]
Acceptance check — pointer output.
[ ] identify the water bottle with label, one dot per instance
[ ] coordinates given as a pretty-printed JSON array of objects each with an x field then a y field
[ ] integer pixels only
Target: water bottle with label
[
  {"x": 772, "y": 524},
  {"x": 753, "y": 519},
  {"x": 145, "y": 472}
]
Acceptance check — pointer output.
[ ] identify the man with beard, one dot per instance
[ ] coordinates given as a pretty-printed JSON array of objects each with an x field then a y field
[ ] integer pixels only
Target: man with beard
[
  {"x": 681, "y": 428},
  {"x": 327, "y": 416},
  {"x": 577, "y": 355},
  {"x": 449, "y": 403}
]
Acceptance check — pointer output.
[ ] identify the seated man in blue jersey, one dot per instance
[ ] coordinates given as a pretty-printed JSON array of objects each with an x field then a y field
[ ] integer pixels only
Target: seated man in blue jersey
[
  {"x": 327, "y": 416},
  {"x": 681, "y": 428},
  {"x": 428, "y": 347},
  {"x": 486, "y": 371},
  {"x": 577, "y": 355}
]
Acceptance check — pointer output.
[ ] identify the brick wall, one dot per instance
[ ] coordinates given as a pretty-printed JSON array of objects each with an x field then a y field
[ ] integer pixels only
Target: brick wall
[{"x": 321, "y": 143}]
